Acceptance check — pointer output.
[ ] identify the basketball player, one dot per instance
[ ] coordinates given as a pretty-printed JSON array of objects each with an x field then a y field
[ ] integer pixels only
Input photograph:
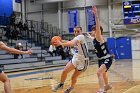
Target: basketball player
[
  {"x": 105, "y": 60},
  {"x": 79, "y": 62},
  {"x": 3, "y": 76}
]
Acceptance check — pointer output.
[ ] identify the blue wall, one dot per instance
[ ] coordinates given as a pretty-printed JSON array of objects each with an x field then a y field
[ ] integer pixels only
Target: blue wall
[
  {"x": 6, "y": 7},
  {"x": 120, "y": 47}
]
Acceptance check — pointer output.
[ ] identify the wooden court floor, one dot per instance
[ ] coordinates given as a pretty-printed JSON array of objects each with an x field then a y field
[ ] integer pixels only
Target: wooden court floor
[{"x": 123, "y": 75}]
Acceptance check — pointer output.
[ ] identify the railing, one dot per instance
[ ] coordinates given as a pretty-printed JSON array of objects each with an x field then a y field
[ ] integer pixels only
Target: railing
[{"x": 39, "y": 33}]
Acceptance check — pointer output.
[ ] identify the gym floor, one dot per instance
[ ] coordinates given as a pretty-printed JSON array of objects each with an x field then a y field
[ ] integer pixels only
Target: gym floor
[{"x": 123, "y": 75}]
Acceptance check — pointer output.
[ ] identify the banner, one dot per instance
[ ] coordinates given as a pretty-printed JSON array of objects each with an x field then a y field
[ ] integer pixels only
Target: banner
[
  {"x": 72, "y": 19},
  {"x": 90, "y": 19},
  {"x": 18, "y": 1}
]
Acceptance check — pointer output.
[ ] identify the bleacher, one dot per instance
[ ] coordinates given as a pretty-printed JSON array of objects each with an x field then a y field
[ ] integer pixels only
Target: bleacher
[
  {"x": 39, "y": 59},
  {"x": 38, "y": 38}
]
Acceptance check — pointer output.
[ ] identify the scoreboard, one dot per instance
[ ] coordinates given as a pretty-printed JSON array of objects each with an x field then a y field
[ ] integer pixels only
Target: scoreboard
[{"x": 131, "y": 11}]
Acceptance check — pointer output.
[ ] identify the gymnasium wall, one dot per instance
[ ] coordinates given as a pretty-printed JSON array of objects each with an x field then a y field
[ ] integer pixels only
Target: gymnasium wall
[
  {"x": 51, "y": 14},
  {"x": 83, "y": 3},
  {"x": 103, "y": 15},
  {"x": 33, "y": 11},
  {"x": 136, "y": 48},
  {"x": 6, "y": 7},
  {"x": 16, "y": 6},
  {"x": 117, "y": 13}
]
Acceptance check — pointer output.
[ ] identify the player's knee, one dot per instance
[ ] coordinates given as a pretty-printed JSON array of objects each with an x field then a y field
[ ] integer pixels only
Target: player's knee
[
  {"x": 99, "y": 73},
  {"x": 6, "y": 80}
]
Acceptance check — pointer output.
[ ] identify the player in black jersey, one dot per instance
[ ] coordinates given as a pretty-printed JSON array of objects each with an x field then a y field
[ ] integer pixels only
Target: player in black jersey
[{"x": 104, "y": 58}]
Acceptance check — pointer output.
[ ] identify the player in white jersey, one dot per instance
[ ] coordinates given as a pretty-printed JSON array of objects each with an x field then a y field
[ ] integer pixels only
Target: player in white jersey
[{"x": 79, "y": 62}]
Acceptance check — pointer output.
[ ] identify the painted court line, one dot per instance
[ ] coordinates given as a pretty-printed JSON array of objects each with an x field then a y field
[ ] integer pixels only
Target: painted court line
[
  {"x": 128, "y": 90},
  {"x": 33, "y": 72}
]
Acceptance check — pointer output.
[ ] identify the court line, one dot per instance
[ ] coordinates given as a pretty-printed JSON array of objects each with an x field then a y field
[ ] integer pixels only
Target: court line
[
  {"x": 33, "y": 72},
  {"x": 130, "y": 89}
]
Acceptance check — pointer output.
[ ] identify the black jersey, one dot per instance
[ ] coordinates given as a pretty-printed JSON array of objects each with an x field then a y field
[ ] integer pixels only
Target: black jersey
[{"x": 100, "y": 49}]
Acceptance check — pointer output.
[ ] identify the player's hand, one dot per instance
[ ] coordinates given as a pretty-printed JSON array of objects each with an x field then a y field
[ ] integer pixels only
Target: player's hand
[
  {"x": 94, "y": 10},
  {"x": 29, "y": 51},
  {"x": 58, "y": 43},
  {"x": 88, "y": 34}
]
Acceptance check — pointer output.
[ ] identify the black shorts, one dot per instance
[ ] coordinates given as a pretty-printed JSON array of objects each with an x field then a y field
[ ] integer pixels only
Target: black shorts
[{"x": 107, "y": 62}]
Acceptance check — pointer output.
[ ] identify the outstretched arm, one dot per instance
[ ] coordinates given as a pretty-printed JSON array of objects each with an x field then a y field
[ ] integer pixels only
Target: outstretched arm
[
  {"x": 64, "y": 41},
  {"x": 13, "y": 50},
  {"x": 68, "y": 43},
  {"x": 98, "y": 34}
]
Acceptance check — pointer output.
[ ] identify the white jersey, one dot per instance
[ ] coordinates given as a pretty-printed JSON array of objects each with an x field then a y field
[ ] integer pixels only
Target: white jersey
[{"x": 80, "y": 49}]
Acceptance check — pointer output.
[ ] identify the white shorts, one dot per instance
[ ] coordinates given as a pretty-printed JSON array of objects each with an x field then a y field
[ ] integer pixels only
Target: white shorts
[{"x": 80, "y": 63}]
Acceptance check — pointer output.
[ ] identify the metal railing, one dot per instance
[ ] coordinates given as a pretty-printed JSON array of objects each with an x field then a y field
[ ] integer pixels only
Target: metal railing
[{"x": 38, "y": 33}]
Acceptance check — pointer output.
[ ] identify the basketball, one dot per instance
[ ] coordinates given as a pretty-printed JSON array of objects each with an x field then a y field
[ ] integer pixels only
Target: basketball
[{"x": 54, "y": 39}]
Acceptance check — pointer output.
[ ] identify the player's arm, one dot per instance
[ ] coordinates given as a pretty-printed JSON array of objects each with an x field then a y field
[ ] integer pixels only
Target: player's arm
[
  {"x": 69, "y": 43},
  {"x": 13, "y": 50},
  {"x": 98, "y": 34},
  {"x": 89, "y": 36},
  {"x": 64, "y": 41}
]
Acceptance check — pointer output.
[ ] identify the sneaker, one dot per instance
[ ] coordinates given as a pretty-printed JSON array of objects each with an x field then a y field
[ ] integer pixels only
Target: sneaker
[
  {"x": 107, "y": 87},
  {"x": 59, "y": 86},
  {"x": 68, "y": 90}
]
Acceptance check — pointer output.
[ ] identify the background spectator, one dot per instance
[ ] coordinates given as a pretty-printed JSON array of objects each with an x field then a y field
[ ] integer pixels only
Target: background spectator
[
  {"x": 15, "y": 31},
  {"x": 8, "y": 32},
  {"x": 52, "y": 50},
  {"x": 61, "y": 52},
  {"x": 18, "y": 47},
  {"x": 12, "y": 18}
]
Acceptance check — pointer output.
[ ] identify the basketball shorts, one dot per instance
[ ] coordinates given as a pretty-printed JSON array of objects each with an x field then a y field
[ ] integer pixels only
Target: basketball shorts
[
  {"x": 107, "y": 62},
  {"x": 80, "y": 63}
]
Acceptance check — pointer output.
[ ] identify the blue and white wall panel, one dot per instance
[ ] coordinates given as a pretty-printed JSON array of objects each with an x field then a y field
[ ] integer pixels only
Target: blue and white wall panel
[{"x": 136, "y": 48}]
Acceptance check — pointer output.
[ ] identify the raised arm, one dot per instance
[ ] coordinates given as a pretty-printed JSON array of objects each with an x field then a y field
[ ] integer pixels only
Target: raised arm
[
  {"x": 98, "y": 34},
  {"x": 13, "y": 50},
  {"x": 89, "y": 36}
]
